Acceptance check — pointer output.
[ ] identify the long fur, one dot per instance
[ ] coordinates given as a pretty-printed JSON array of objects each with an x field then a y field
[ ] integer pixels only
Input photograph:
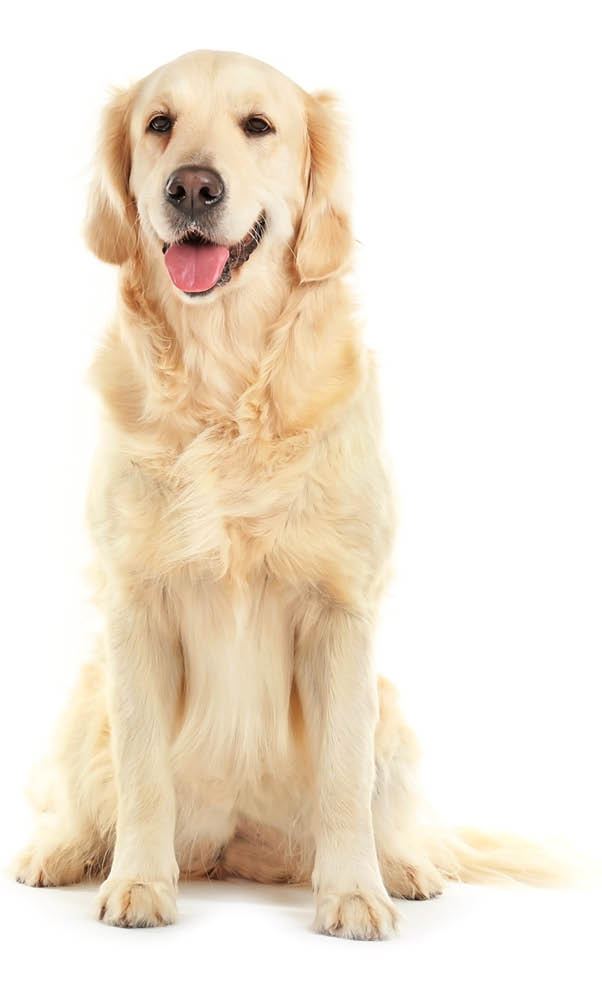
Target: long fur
[{"x": 231, "y": 722}]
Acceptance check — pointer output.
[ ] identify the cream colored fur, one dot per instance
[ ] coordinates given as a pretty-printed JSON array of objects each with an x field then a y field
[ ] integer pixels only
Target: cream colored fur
[{"x": 232, "y": 722}]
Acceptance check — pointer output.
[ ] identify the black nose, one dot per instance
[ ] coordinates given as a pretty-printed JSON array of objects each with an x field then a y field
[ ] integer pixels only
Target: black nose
[{"x": 192, "y": 190}]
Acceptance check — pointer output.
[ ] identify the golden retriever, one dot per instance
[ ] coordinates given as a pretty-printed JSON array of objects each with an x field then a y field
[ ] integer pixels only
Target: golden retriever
[{"x": 231, "y": 722}]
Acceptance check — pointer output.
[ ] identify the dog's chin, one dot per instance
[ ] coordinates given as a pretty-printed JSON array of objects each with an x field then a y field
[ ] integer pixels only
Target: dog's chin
[{"x": 201, "y": 268}]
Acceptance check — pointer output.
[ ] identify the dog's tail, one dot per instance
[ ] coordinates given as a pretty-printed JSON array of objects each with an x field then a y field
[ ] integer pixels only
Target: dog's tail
[{"x": 469, "y": 855}]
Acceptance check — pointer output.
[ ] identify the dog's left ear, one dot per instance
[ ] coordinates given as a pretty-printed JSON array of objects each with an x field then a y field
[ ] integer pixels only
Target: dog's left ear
[
  {"x": 324, "y": 239},
  {"x": 110, "y": 228}
]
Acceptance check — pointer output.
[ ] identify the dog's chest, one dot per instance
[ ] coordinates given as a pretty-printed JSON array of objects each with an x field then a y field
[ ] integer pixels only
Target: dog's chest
[
  {"x": 228, "y": 504},
  {"x": 237, "y": 644}
]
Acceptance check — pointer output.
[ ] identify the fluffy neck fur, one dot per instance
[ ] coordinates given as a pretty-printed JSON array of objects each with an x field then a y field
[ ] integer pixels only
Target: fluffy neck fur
[{"x": 259, "y": 361}]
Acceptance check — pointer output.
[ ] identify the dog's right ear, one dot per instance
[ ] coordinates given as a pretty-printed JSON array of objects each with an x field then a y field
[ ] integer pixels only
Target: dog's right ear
[
  {"x": 110, "y": 228},
  {"x": 324, "y": 241}
]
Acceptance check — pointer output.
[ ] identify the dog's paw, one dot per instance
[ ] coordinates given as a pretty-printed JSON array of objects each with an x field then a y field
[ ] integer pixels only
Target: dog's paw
[
  {"x": 32, "y": 868},
  {"x": 405, "y": 881},
  {"x": 128, "y": 903},
  {"x": 48, "y": 866},
  {"x": 363, "y": 916}
]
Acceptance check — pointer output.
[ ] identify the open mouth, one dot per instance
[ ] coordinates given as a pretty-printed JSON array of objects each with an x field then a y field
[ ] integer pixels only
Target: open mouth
[{"x": 196, "y": 265}]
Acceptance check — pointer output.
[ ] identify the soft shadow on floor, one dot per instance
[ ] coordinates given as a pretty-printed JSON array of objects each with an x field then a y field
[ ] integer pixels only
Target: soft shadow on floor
[{"x": 200, "y": 901}]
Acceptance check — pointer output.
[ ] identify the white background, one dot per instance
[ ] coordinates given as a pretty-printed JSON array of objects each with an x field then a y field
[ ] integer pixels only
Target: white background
[{"x": 477, "y": 162}]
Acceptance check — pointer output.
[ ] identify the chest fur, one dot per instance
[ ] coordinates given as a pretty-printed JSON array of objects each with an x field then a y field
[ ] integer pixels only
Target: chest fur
[
  {"x": 224, "y": 504},
  {"x": 237, "y": 644}
]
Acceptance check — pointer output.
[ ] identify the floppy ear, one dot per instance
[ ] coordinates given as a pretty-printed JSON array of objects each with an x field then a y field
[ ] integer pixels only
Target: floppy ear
[
  {"x": 110, "y": 228},
  {"x": 324, "y": 238}
]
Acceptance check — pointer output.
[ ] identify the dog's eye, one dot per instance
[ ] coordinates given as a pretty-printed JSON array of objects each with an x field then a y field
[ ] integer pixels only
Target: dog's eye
[
  {"x": 256, "y": 125},
  {"x": 160, "y": 123}
]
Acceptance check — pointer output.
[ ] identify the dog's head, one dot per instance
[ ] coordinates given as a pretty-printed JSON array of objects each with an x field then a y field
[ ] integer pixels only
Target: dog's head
[{"x": 216, "y": 168}]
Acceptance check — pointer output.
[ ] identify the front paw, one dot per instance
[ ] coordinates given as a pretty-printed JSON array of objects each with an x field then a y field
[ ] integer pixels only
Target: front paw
[
  {"x": 363, "y": 916},
  {"x": 131, "y": 903}
]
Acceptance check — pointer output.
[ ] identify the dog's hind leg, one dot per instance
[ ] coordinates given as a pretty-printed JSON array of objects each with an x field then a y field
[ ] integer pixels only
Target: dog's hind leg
[
  {"x": 417, "y": 854},
  {"x": 60, "y": 854},
  {"x": 74, "y": 795},
  {"x": 406, "y": 865}
]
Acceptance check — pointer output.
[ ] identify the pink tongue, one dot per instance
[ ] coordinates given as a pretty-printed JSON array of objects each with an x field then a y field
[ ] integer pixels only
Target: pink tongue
[{"x": 195, "y": 267}]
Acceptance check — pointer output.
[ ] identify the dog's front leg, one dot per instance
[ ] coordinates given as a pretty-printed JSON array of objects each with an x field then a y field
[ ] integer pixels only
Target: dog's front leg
[
  {"x": 144, "y": 675},
  {"x": 338, "y": 692}
]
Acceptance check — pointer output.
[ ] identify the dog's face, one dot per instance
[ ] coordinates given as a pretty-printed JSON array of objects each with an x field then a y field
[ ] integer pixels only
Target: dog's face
[
  {"x": 218, "y": 150},
  {"x": 217, "y": 166}
]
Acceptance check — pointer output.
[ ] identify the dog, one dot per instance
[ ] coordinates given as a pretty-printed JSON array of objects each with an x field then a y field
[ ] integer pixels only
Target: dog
[{"x": 231, "y": 722}]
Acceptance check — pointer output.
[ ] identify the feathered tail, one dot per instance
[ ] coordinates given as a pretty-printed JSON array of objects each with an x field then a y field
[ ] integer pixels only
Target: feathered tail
[{"x": 469, "y": 855}]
